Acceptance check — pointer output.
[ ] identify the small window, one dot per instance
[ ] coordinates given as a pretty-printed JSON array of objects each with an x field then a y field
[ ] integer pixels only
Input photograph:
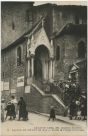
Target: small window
[
  {"x": 81, "y": 50},
  {"x": 3, "y": 74},
  {"x": 80, "y": 21},
  {"x": 3, "y": 58},
  {"x": 13, "y": 25},
  {"x": 57, "y": 53},
  {"x": 76, "y": 19},
  {"x": 60, "y": 14},
  {"x": 28, "y": 17},
  {"x": 18, "y": 56}
]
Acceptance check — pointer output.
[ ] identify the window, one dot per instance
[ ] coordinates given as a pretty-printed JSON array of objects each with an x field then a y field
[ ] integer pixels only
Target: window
[
  {"x": 4, "y": 58},
  {"x": 13, "y": 25},
  {"x": 18, "y": 56},
  {"x": 76, "y": 19},
  {"x": 60, "y": 14},
  {"x": 57, "y": 53},
  {"x": 80, "y": 21},
  {"x": 81, "y": 50},
  {"x": 28, "y": 16},
  {"x": 3, "y": 74}
]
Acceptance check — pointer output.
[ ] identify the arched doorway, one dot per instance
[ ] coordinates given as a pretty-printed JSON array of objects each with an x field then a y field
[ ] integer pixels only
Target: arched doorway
[{"x": 41, "y": 63}]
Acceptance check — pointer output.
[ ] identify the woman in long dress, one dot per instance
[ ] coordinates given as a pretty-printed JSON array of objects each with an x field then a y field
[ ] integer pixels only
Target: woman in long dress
[{"x": 22, "y": 109}]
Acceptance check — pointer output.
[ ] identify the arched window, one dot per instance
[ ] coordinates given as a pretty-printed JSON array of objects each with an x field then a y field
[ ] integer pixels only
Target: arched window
[
  {"x": 18, "y": 56},
  {"x": 81, "y": 50},
  {"x": 57, "y": 53}
]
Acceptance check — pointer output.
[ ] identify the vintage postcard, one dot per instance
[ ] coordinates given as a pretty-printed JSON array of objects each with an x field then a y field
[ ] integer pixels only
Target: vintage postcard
[{"x": 43, "y": 68}]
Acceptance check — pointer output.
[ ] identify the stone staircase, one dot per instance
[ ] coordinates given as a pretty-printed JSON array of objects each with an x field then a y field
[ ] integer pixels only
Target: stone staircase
[
  {"x": 56, "y": 97},
  {"x": 41, "y": 101},
  {"x": 50, "y": 88}
]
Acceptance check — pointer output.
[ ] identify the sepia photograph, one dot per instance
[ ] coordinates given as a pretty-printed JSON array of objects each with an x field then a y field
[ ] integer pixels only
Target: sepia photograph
[{"x": 44, "y": 68}]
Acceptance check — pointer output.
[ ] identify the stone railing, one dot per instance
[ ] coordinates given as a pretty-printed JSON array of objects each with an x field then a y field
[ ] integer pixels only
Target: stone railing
[{"x": 50, "y": 88}]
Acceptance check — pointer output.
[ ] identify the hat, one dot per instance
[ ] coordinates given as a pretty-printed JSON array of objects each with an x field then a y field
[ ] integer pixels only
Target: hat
[
  {"x": 2, "y": 100},
  {"x": 9, "y": 103}
]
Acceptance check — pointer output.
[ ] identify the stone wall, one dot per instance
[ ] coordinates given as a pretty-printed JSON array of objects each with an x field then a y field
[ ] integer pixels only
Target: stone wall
[
  {"x": 9, "y": 66},
  {"x": 14, "y": 22},
  {"x": 68, "y": 53},
  {"x": 68, "y": 14}
]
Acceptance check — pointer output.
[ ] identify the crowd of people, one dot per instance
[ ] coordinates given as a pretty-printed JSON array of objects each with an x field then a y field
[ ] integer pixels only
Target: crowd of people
[
  {"x": 74, "y": 98},
  {"x": 13, "y": 108},
  {"x": 76, "y": 101}
]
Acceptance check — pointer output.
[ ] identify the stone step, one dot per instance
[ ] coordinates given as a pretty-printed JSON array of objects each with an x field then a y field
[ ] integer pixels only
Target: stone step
[{"x": 52, "y": 95}]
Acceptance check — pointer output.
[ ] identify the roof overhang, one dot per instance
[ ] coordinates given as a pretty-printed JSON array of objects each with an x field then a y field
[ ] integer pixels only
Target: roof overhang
[{"x": 75, "y": 29}]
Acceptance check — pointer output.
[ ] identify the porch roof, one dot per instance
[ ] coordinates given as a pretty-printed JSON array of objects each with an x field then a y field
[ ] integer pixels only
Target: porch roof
[{"x": 80, "y": 29}]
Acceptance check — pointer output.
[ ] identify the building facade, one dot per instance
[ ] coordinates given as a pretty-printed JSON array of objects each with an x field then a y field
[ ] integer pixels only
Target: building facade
[{"x": 40, "y": 45}]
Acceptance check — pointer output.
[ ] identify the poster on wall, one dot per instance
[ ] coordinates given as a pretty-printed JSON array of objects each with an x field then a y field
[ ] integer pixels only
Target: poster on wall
[
  {"x": 27, "y": 89},
  {"x": 44, "y": 58},
  {"x": 13, "y": 91},
  {"x": 6, "y": 85},
  {"x": 20, "y": 81}
]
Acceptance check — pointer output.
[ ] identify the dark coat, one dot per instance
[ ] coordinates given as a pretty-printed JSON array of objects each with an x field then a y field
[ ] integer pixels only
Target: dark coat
[
  {"x": 10, "y": 110},
  {"x": 22, "y": 109},
  {"x": 72, "y": 108},
  {"x": 52, "y": 113},
  {"x": 84, "y": 106}
]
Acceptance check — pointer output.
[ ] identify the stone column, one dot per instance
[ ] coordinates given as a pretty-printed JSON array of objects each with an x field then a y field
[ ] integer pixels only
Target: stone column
[
  {"x": 51, "y": 68},
  {"x": 28, "y": 67},
  {"x": 32, "y": 65}
]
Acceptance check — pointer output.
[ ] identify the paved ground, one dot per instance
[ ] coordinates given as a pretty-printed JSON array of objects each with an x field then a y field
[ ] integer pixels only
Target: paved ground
[
  {"x": 81, "y": 123},
  {"x": 39, "y": 125}
]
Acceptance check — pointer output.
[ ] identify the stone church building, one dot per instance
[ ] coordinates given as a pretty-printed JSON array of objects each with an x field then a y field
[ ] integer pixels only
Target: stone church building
[{"x": 40, "y": 45}]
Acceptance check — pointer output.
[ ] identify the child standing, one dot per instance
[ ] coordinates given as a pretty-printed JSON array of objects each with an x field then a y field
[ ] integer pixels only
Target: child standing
[{"x": 52, "y": 113}]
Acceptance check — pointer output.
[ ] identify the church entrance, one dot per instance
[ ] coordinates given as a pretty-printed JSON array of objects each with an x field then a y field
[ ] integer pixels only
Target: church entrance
[{"x": 41, "y": 63}]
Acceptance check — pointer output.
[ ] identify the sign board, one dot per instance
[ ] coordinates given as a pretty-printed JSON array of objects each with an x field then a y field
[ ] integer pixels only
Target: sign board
[
  {"x": 27, "y": 89},
  {"x": 20, "y": 81},
  {"x": 6, "y": 86},
  {"x": 13, "y": 90}
]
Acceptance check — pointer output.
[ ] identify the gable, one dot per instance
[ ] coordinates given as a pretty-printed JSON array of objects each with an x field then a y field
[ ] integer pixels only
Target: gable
[
  {"x": 74, "y": 68},
  {"x": 40, "y": 38}
]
